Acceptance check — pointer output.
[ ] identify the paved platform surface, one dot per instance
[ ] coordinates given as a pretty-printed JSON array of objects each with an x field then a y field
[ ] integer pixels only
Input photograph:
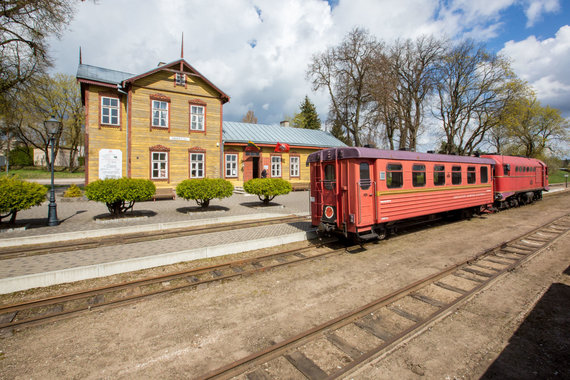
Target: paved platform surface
[{"x": 82, "y": 218}]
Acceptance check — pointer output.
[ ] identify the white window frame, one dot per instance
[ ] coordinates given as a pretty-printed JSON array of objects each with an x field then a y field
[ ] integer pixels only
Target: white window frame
[
  {"x": 159, "y": 113},
  {"x": 110, "y": 108},
  {"x": 294, "y": 166},
  {"x": 275, "y": 166},
  {"x": 197, "y": 165},
  {"x": 197, "y": 118},
  {"x": 159, "y": 162},
  {"x": 180, "y": 79},
  {"x": 231, "y": 165}
]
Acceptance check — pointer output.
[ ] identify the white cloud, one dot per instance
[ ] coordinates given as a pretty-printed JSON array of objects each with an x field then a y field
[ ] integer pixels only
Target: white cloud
[
  {"x": 545, "y": 65},
  {"x": 535, "y": 9},
  {"x": 269, "y": 76}
]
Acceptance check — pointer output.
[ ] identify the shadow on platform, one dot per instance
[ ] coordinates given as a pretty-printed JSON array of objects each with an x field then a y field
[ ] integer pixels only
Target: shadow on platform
[{"x": 539, "y": 348}]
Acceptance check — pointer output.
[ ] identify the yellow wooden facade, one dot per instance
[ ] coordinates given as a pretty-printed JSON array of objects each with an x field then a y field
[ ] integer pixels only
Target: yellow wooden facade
[
  {"x": 136, "y": 138},
  {"x": 246, "y": 163}
]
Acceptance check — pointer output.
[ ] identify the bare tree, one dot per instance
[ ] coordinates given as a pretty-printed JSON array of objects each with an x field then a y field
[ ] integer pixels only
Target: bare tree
[
  {"x": 250, "y": 117},
  {"x": 414, "y": 69},
  {"x": 343, "y": 71},
  {"x": 24, "y": 27},
  {"x": 473, "y": 89},
  {"x": 56, "y": 96}
]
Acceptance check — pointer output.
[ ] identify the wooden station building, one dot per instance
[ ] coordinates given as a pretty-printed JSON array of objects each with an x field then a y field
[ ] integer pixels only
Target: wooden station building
[{"x": 166, "y": 125}]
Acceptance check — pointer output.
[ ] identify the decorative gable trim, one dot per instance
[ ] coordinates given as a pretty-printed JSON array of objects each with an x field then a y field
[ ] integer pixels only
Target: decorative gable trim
[
  {"x": 159, "y": 148},
  {"x": 161, "y": 97},
  {"x": 197, "y": 149}
]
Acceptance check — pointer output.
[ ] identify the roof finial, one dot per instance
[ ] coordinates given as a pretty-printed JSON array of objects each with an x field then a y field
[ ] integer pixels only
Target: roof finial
[
  {"x": 182, "y": 47},
  {"x": 80, "y": 60}
]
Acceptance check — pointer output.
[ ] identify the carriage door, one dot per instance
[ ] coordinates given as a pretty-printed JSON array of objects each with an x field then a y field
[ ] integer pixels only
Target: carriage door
[{"x": 366, "y": 194}]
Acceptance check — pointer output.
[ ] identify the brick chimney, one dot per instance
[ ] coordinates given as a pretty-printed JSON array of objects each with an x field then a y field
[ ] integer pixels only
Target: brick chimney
[{"x": 284, "y": 123}]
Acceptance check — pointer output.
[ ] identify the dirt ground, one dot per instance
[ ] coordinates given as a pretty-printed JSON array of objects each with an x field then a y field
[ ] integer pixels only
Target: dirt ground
[{"x": 514, "y": 328}]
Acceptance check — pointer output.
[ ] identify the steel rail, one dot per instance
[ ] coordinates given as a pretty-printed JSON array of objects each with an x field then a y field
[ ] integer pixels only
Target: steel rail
[
  {"x": 137, "y": 237},
  {"x": 94, "y": 298},
  {"x": 284, "y": 348}
]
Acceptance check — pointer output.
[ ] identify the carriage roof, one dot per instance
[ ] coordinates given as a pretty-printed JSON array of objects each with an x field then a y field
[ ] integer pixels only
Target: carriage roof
[{"x": 344, "y": 153}]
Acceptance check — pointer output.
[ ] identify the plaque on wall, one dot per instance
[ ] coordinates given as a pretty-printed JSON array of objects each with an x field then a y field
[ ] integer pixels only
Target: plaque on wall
[{"x": 110, "y": 163}]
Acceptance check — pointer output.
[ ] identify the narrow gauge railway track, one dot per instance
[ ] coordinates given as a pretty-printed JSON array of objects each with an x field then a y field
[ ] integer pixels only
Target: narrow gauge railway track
[
  {"x": 54, "y": 308},
  {"x": 136, "y": 237},
  {"x": 337, "y": 347}
]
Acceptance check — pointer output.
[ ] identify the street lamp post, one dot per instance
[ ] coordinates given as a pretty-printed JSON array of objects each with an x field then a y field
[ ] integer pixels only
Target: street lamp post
[{"x": 52, "y": 126}]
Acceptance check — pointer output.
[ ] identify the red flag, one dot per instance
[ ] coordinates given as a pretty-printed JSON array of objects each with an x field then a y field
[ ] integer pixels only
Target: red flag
[{"x": 281, "y": 147}]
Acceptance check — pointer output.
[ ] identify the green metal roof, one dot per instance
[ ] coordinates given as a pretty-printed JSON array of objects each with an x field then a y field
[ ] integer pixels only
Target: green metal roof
[{"x": 235, "y": 132}]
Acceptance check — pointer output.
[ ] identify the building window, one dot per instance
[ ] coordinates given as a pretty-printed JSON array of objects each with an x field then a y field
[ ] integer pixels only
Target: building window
[
  {"x": 109, "y": 111},
  {"x": 180, "y": 79},
  {"x": 439, "y": 175},
  {"x": 471, "y": 174},
  {"x": 484, "y": 175},
  {"x": 418, "y": 175},
  {"x": 394, "y": 176},
  {"x": 196, "y": 118},
  {"x": 159, "y": 162},
  {"x": 456, "y": 175},
  {"x": 231, "y": 165},
  {"x": 196, "y": 165},
  {"x": 159, "y": 114},
  {"x": 275, "y": 166},
  {"x": 294, "y": 166}
]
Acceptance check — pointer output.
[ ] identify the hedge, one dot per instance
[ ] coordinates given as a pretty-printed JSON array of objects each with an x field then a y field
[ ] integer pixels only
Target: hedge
[
  {"x": 120, "y": 194},
  {"x": 204, "y": 190},
  {"x": 16, "y": 195},
  {"x": 267, "y": 188}
]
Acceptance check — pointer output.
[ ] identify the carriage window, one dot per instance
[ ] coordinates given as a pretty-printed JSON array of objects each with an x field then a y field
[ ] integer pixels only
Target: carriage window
[
  {"x": 471, "y": 174},
  {"x": 484, "y": 177},
  {"x": 418, "y": 175},
  {"x": 329, "y": 177},
  {"x": 506, "y": 169},
  {"x": 394, "y": 176},
  {"x": 456, "y": 175},
  {"x": 364, "y": 176},
  {"x": 439, "y": 175}
]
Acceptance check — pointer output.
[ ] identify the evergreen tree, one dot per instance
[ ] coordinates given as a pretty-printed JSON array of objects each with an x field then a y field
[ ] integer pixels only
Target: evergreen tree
[{"x": 308, "y": 117}]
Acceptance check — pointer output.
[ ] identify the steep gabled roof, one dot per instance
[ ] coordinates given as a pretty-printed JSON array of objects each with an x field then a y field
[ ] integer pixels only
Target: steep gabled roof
[
  {"x": 235, "y": 132},
  {"x": 100, "y": 74},
  {"x": 113, "y": 77}
]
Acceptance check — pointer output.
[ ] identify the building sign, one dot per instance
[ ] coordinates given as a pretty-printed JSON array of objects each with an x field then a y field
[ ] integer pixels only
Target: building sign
[
  {"x": 174, "y": 138},
  {"x": 110, "y": 163},
  {"x": 252, "y": 154}
]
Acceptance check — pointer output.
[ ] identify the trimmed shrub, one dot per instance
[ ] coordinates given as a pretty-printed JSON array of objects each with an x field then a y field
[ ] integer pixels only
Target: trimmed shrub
[
  {"x": 16, "y": 195},
  {"x": 267, "y": 188},
  {"x": 120, "y": 194},
  {"x": 73, "y": 192},
  {"x": 205, "y": 189},
  {"x": 22, "y": 156}
]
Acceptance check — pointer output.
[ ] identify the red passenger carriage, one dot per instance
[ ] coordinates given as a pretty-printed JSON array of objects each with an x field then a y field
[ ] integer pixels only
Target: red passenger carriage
[{"x": 363, "y": 192}]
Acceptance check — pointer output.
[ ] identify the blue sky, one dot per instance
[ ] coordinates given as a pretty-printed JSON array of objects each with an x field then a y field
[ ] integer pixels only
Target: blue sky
[{"x": 258, "y": 51}]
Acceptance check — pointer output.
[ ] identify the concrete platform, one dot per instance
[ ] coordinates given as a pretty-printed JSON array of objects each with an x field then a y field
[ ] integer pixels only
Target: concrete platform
[{"x": 80, "y": 220}]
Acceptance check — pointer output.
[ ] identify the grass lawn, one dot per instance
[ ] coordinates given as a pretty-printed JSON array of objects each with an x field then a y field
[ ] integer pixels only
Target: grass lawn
[
  {"x": 557, "y": 177},
  {"x": 40, "y": 173}
]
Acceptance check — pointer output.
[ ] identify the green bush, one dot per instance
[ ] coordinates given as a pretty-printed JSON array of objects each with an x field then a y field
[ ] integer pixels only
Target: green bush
[
  {"x": 22, "y": 156},
  {"x": 73, "y": 192},
  {"x": 120, "y": 194},
  {"x": 205, "y": 189},
  {"x": 16, "y": 195},
  {"x": 267, "y": 188}
]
